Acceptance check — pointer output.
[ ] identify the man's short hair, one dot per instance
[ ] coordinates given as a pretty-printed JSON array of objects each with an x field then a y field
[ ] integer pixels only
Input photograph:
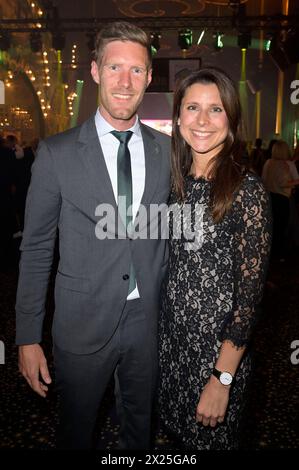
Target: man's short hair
[{"x": 121, "y": 31}]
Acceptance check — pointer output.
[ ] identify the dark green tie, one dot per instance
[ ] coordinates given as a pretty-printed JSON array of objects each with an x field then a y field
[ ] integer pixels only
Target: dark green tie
[{"x": 124, "y": 186}]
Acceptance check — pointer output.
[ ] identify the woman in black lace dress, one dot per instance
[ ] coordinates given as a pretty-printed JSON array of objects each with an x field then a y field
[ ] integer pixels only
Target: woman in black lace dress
[{"x": 218, "y": 260}]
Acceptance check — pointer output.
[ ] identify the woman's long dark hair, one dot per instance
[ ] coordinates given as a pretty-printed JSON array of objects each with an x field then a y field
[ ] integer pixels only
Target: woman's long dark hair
[{"x": 225, "y": 170}]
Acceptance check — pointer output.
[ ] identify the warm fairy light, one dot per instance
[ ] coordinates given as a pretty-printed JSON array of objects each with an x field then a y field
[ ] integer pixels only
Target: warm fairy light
[
  {"x": 33, "y": 5},
  {"x": 40, "y": 12},
  {"x": 66, "y": 86},
  {"x": 38, "y": 25},
  {"x": 74, "y": 50},
  {"x": 46, "y": 70}
]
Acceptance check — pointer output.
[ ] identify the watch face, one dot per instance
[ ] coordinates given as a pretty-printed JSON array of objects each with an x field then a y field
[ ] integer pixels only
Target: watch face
[{"x": 226, "y": 378}]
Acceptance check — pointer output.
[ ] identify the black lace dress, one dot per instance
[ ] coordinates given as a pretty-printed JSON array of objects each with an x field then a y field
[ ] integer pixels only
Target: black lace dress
[{"x": 214, "y": 284}]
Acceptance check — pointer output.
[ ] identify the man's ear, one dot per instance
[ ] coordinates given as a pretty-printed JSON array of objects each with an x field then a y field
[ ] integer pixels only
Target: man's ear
[
  {"x": 149, "y": 77},
  {"x": 95, "y": 72}
]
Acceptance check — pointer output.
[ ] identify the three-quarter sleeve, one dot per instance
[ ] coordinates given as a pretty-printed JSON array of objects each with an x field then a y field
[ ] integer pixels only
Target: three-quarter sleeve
[{"x": 251, "y": 248}]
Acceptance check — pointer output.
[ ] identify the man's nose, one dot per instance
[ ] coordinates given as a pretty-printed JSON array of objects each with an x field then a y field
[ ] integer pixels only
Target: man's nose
[{"x": 125, "y": 78}]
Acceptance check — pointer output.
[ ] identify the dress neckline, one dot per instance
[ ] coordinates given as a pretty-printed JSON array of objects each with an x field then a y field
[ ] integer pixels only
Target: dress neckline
[{"x": 198, "y": 178}]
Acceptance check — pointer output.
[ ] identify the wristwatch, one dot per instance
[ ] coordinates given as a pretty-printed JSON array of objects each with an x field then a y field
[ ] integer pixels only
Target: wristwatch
[{"x": 224, "y": 377}]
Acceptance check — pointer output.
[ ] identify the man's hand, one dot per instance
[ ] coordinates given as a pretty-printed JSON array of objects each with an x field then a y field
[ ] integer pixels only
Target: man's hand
[{"x": 32, "y": 364}]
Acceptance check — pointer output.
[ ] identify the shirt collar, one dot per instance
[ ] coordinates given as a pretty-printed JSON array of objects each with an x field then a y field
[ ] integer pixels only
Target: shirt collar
[{"x": 103, "y": 127}]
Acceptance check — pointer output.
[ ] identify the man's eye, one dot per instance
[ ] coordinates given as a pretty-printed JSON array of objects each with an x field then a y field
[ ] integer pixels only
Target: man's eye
[
  {"x": 138, "y": 70},
  {"x": 113, "y": 67}
]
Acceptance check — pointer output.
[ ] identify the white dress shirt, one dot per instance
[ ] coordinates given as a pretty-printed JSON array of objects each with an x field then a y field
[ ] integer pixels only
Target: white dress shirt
[{"x": 110, "y": 145}]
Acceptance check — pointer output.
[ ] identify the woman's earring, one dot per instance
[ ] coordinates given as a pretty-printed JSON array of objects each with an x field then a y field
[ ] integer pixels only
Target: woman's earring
[{"x": 178, "y": 122}]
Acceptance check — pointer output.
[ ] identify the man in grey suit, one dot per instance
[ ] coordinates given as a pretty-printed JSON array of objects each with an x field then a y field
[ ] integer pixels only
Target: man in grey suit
[{"x": 107, "y": 287}]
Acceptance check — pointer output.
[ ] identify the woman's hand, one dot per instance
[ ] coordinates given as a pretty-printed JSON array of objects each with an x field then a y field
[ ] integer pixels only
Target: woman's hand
[{"x": 213, "y": 403}]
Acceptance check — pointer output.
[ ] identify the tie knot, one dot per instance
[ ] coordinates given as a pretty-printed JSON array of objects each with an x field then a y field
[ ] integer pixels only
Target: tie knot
[{"x": 122, "y": 136}]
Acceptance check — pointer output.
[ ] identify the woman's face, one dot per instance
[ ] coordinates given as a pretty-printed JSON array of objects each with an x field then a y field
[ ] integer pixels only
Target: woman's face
[{"x": 203, "y": 121}]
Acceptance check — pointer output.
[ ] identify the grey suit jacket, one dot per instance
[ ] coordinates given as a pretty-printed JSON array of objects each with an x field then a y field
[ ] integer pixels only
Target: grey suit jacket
[{"x": 69, "y": 181}]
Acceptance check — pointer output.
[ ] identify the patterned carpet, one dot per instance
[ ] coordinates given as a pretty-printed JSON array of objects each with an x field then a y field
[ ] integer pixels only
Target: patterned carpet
[{"x": 272, "y": 417}]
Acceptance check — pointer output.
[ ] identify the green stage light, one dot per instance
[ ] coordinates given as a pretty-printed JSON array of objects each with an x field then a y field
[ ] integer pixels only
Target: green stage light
[
  {"x": 244, "y": 40},
  {"x": 185, "y": 39},
  {"x": 155, "y": 42},
  {"x": 218, "y": 44},
  {"x": 268, "y": 44}
]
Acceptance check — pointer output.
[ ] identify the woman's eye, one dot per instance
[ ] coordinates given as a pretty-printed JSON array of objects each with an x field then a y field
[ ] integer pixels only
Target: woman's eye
[
  {"x": 191, "y": 107},
  {"x": 216, "y": 109}
]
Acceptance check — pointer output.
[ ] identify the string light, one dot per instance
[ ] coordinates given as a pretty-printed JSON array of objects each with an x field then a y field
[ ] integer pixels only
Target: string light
[
  {"x": 71, "y": 97},
  {"x": 74, "y": 50}
]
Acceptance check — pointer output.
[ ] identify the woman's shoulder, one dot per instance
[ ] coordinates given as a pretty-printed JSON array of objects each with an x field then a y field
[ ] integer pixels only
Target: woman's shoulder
[
  {"x": 251, "y": 189},
  {"x": 251, "y": 181}
]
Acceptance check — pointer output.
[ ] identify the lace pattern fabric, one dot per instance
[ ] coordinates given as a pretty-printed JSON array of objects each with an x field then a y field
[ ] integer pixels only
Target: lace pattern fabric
[{"x": 211, "y": 294}]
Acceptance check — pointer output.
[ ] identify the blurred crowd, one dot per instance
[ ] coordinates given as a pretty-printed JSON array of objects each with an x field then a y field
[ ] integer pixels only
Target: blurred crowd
[
  {"x": 15, "y": 173},
  {"x": 278, "y": 167}
]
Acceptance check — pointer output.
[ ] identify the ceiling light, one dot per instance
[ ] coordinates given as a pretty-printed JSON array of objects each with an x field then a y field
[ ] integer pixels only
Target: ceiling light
[{"x": 185, "y": 39}]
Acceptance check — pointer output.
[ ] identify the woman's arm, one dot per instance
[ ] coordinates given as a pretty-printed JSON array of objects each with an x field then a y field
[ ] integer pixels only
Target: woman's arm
[
  {"x": 251, "y": 249},
  {"x": 214, "y": 398}
]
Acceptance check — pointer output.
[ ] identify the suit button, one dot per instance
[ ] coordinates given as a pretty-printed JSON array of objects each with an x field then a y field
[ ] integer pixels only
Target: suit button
[{"x": 126, "y": 277}]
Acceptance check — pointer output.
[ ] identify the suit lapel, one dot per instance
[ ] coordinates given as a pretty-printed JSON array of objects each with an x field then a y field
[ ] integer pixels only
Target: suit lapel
[
  {"x": 152, "y": 164},
  {"x": 91, "y": 154}
]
